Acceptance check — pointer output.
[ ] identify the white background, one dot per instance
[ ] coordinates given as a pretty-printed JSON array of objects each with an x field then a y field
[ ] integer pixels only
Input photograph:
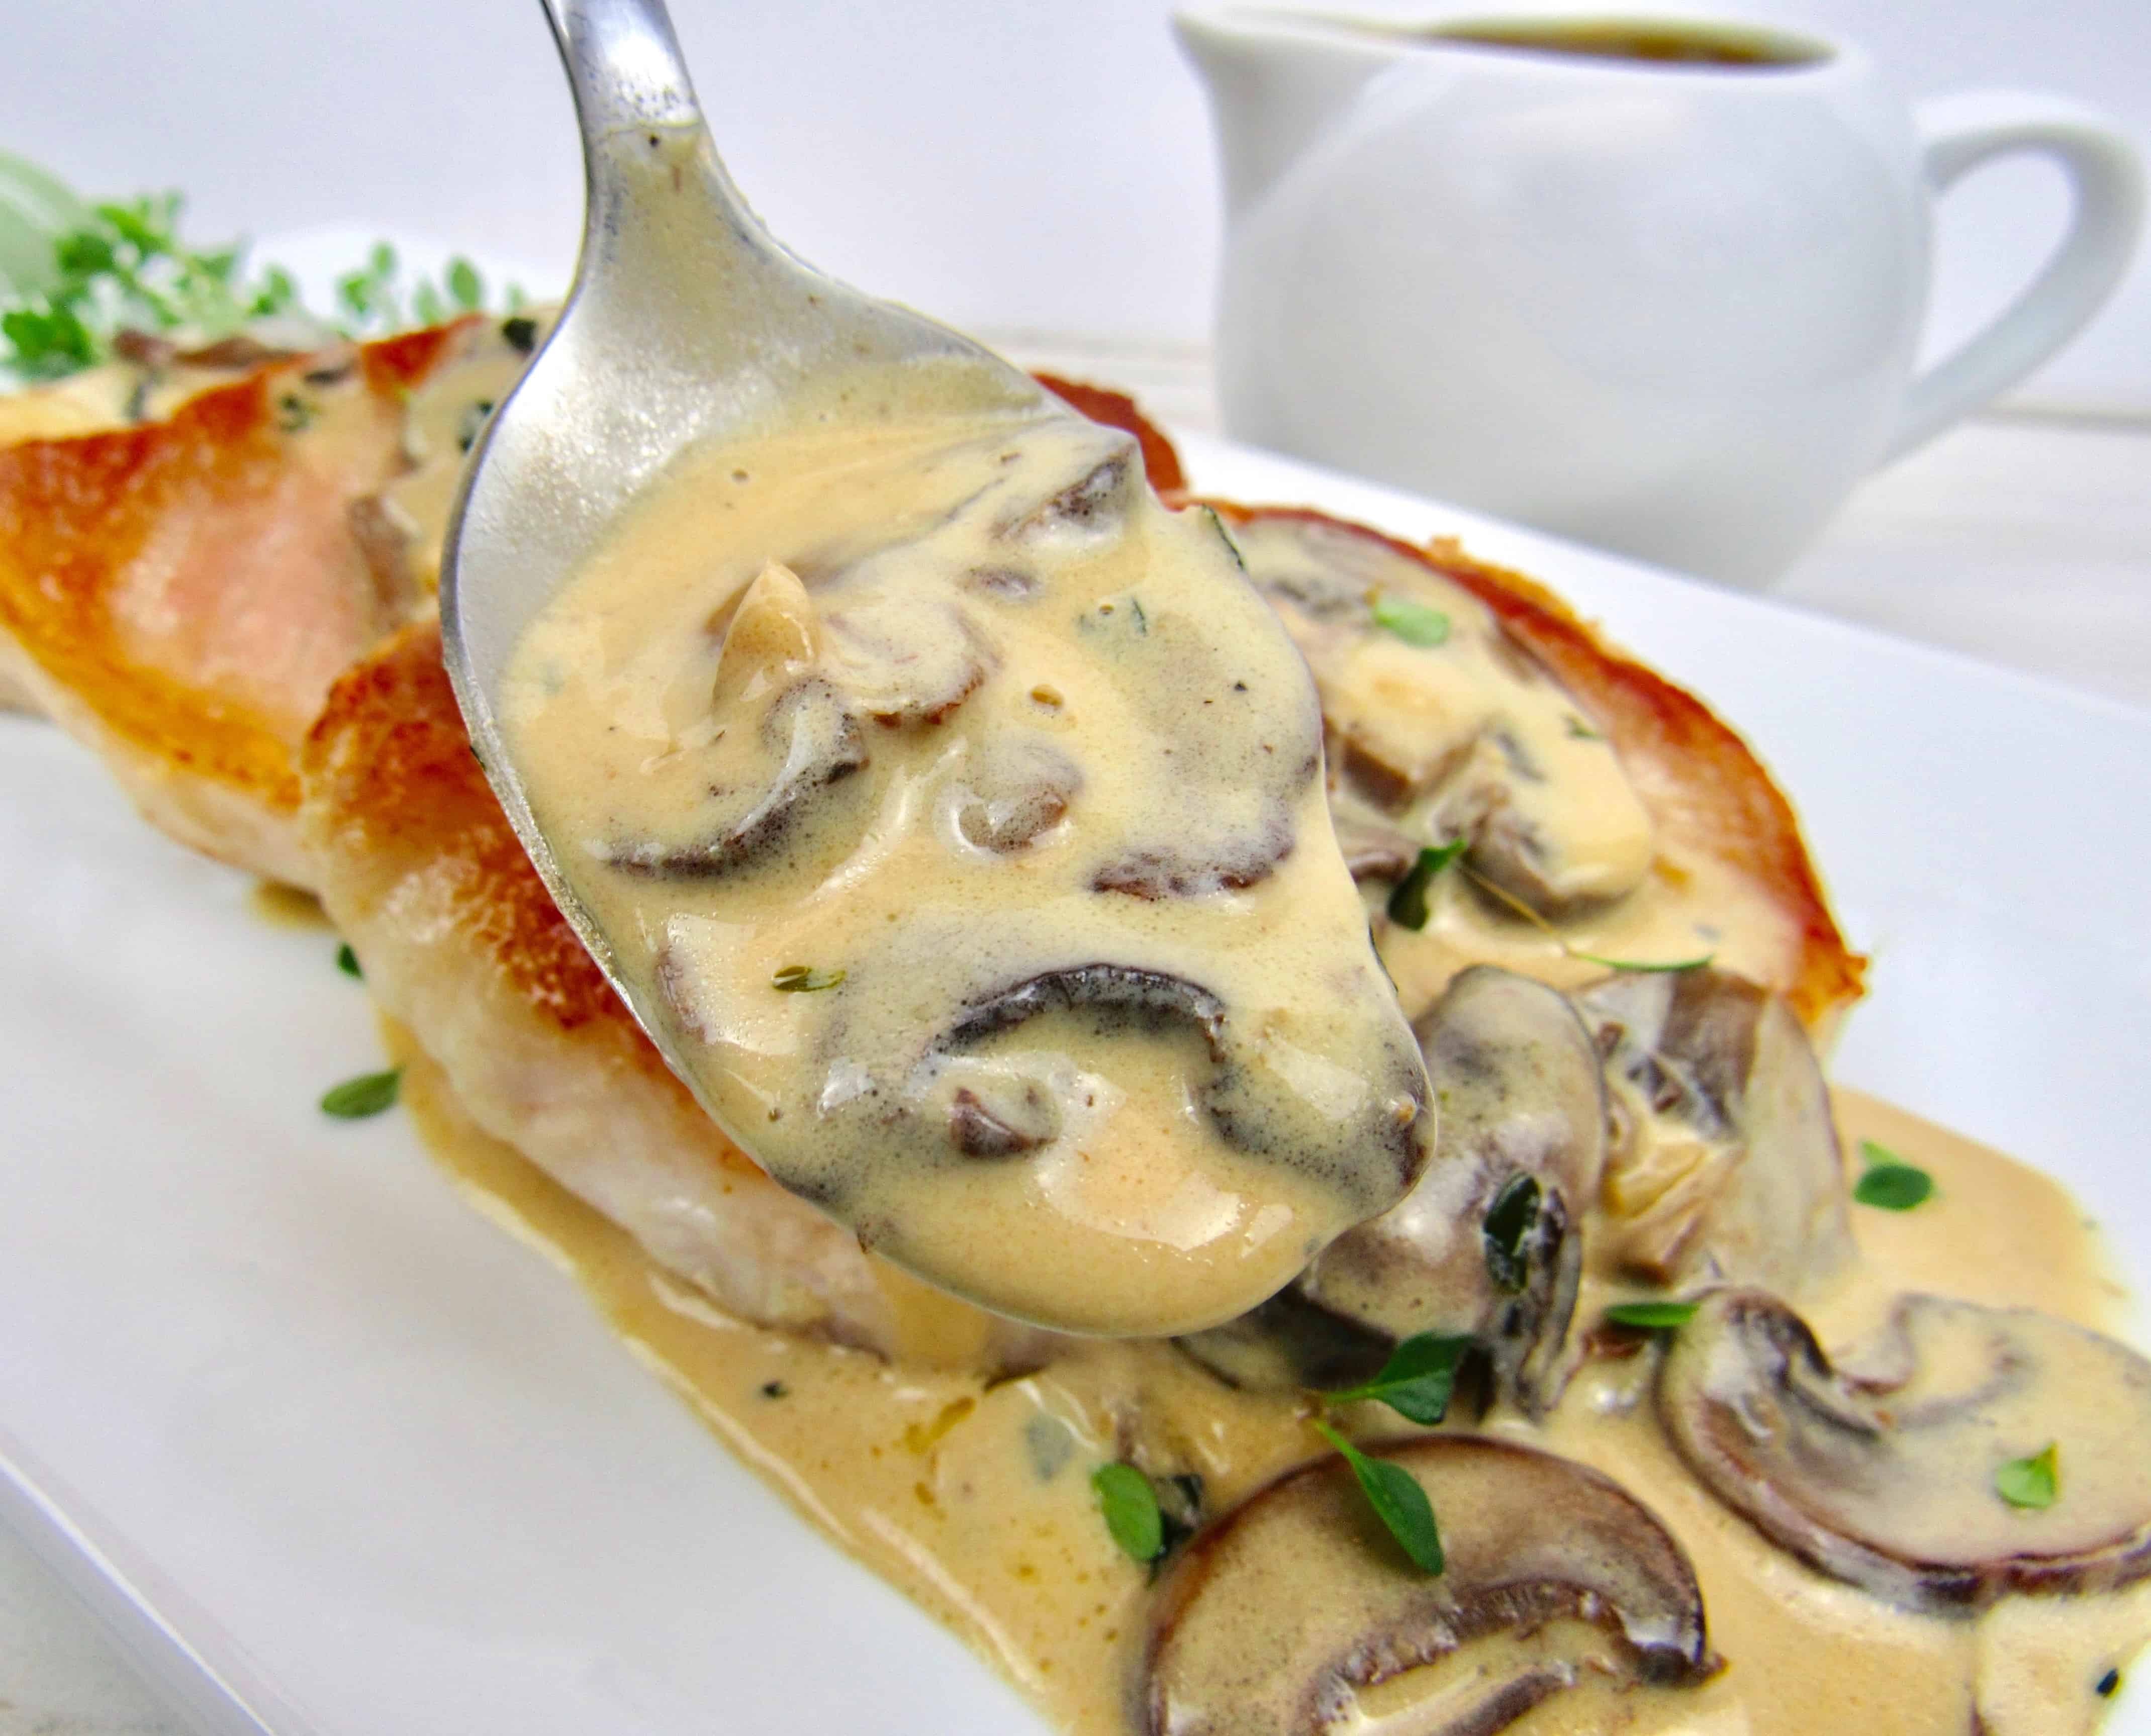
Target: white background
[{"x": 1006, "y": 164}]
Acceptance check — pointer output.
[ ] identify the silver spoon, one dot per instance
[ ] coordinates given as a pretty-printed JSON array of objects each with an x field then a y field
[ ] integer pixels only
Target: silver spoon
[{"x": 688, "y": 321}]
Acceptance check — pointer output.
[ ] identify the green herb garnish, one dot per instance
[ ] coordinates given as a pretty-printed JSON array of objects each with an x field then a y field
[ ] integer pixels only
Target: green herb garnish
[
  {"x": 1408, "y": 901},
  {"x": 369, "y": 1094},
  {"x": 1641, "y": 966},
  {"x": 1652, "y": 1316},
  {"x": 74, "y": 276},
  {"x": 1506, "y": 1230},
  {"x": 521, "y": 333},
  {"x": 804, "y": 980},
  {"x": 1415, "y": 1382},
  {"x": 348, "y": 961},
  {"x": 1130, "y": 1505},
  {"x": 1889, "y": 1182},
  {"x": 1579, "y": 730},
  {"x": 1397, "y": 1499},
  {"x": 1414, "y": 623},
  {"x": 2033, "y": 1482}
]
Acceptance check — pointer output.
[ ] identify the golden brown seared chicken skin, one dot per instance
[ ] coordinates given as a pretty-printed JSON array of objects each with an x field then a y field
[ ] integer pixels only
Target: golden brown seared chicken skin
[{"x": 178, "y": 593}]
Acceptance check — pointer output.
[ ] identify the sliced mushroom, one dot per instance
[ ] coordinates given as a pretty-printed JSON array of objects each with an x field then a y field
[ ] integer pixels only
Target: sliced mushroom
[
  {"x": 1115, "y": 995},
  {"x": 1489, "y": 1242},
  {"x": 1251, "y": 1103},
  {"x": 1374, "y": 851},
  {"x": 1018, "y": 790},
  {"x": 1726, "y": 1166},
  {"x": 806, "y": 742},
  {"x": 901, "y": 661},
  {"x": 1469, "y": 736},
  {"x": 1230, "y": 862},
  {"x": 1289, "y": 1341},
  {"x": 1095, "y": 503},
  {"x": 1879, "y": 1468},
  {"x": 1280, "y": 1615}
]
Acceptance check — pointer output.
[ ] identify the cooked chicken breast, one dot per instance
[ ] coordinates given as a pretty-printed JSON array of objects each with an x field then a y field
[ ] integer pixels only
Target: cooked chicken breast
[{"x": 187, "y": 561}]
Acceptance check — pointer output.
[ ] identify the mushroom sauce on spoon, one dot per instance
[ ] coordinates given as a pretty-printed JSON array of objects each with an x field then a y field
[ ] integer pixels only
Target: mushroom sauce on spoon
[{"x": 961, "y": 809}]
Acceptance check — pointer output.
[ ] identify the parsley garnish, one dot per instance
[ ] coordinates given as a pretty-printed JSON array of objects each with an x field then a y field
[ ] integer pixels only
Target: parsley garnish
[
  {"x": 1415, "y": 1382},
  {"x": 74, "y": 276},
  {"x": 1652, "y": 1316},
  {"x": 804, "y": 980},
  {"x": 1640, "y": 965},
  {"x": 1408, "y": 902},
  {"x": 1397, "y": 1499},
  {"x": 1414, "y": 623},
  {"x": 2033, "y": 1482},
  {"x": 1506, "y": 1229},
  {"x": 369, "y": 1094},
  {"x": 1579, "y": 730},
  {"x": 348, "y": 961},
  {"x": 1130, "y": 1505},
  {"x": 1889, "y": 1182}
]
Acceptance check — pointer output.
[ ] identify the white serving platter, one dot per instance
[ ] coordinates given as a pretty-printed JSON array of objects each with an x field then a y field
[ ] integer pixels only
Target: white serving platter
[{"x": 335, "y": 1456}]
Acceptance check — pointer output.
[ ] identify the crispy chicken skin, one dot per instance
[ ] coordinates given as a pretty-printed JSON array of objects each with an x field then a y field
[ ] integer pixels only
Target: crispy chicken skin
[{"x": 179, "y": 593}]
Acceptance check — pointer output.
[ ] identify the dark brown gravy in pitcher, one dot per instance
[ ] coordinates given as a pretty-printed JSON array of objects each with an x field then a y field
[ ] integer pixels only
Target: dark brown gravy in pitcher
[{"x": 1662, "y": 42}]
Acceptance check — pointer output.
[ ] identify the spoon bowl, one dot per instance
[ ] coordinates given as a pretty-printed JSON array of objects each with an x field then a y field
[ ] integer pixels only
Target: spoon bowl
[{"x": 688, "y": 322}]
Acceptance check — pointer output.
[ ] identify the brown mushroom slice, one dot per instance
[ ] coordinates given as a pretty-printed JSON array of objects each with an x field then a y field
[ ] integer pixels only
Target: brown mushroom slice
[
  {"x": 1280, "y": 1615},
  {"x": 805, "y": 742},
  {"x": 1094, "y": 504},
  {"x": 1374, "y": 851},
  {"x": 1018, "y": 792},
  {"x": 1250, "y": 1104},
  {"x": 1468, "y": 737},
  {"x": 1727, "y": 1167},
  {"x": 1289, "y": 1341},
  {"x": 1232, "y": 820},
  {"x": 900, "y": 661},
  {"x": 1521, "y": 1107},
  {"x": 1879, "y": 1468}
]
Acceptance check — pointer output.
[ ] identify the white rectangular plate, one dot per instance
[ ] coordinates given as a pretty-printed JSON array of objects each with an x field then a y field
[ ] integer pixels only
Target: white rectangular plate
[{"x": 336, "y": 1457}]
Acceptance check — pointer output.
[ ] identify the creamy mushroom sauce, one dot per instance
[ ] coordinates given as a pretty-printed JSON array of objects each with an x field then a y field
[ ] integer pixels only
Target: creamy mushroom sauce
[
  {"x": 957, "y": 811},
  {"x": 1470, "y": 737},
  {"x": 972, "y": 1492}
]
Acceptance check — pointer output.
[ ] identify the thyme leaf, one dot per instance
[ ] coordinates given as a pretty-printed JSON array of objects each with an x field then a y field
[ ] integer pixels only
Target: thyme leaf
[
  {"x": 1652, "y": 1316},
  {"x": 804, "y": 980},
  {"x": 1130, "y": 1506},
  {"x": 367, "y": 1095},
  {"x": 1416, "y": 1381},
  {"x": 2034, "y": 1483},
  {"x": 1398, "y": 1500},
  {"x": 1414, "y": 623}
]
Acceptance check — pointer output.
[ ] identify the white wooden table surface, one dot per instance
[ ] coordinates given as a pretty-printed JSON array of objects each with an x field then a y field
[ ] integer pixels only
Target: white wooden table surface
[{"x": 2022, "y": 541}]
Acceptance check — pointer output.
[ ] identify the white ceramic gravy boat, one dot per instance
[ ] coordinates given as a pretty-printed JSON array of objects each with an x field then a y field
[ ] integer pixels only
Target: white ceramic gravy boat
[{"x": 1671, "y": 309}]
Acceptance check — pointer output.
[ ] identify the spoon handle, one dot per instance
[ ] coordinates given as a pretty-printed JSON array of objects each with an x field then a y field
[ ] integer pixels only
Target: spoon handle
[{"x": 632, "y": 96}]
